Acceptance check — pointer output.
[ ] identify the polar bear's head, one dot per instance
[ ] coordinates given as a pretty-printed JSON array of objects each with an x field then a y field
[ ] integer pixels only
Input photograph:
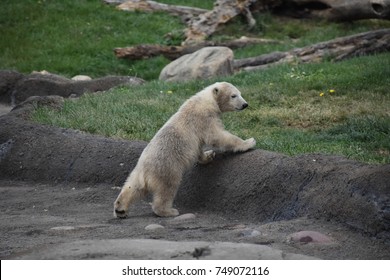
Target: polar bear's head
[{"x": 228, "y": 97}]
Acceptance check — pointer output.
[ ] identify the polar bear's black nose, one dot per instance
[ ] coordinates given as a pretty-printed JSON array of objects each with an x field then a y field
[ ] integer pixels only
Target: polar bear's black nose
[
  {"x": 120, "y": 214},
  {"x": 244, "y": 105}
]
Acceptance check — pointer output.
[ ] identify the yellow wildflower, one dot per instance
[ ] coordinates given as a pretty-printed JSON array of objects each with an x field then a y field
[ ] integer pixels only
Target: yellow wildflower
[
  {"x": 332, "y": 91},
  {"x": 322, "y": 94},
  {"x": 169, "y": 91}
]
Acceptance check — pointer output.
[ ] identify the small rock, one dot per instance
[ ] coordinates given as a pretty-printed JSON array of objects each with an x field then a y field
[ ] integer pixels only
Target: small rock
[
  {"x": 81, "y": 78},
  {"x": 255, "y": 233},
  {"x": 201, "y": 252},
  {"x": 310, "y": 236},
  {"x": 153, "y": 227},
  {"x": 63, "y": 228},
  {"x": 43, "y": 72},
  {"x": 239, "y": 226},
  {"x": 249, "y": 233},
  {"x": 5, "y": 148},
  {"x": 188, "y": 216}
]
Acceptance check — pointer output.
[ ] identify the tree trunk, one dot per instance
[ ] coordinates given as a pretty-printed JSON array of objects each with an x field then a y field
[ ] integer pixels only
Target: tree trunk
[
  {"x": 341, "y": 10},
  {"x": 174, "y": 52},
  {"x": 337, "y": 49}
]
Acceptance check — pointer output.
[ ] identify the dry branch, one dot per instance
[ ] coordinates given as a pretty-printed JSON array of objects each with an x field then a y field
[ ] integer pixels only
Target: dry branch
[
  {"x": 173, "y": 52},
  {"x": 338, "y": 49}
]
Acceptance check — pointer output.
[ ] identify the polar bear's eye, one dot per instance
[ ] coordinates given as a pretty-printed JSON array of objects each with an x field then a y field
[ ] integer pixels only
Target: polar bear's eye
[{"x": 234, "y": 96}]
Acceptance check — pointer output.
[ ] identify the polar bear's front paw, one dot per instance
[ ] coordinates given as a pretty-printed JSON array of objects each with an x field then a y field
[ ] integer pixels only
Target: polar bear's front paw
[
  {"x": 250, "y": 143},
  {"x": 207, "y": 157}
]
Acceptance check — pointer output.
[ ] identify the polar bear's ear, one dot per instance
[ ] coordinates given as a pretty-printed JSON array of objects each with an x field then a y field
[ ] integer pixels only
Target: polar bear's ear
[{"x": 215, "y": 91}]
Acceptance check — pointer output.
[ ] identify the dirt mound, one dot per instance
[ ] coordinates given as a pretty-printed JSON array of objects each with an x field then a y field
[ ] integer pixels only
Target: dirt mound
[{"x": 257, "y": 187}]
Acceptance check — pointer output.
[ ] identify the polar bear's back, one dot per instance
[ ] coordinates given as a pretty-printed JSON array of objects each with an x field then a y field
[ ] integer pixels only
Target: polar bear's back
[{"x": 177, "y": 145}]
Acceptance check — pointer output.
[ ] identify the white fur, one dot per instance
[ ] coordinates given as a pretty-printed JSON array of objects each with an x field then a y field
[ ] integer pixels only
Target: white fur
[{"x": 179, "y": 144}]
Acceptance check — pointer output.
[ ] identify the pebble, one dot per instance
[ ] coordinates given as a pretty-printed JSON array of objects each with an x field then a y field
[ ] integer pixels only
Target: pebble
[
  {"x": 153, "y": 227},
  {"x": 188, "y": 216},
  {"x": 308, "y": 236},
  {"x": 78, "y": 227},
  {"x": 239, "y": 226},
  {"x": 249, "y": 233},
  {"x": 63, "y": 228}
]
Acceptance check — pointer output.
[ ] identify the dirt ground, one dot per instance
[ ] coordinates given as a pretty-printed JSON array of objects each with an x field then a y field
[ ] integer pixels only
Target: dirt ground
[
  {"x": 57, "y": 189},
  {"x": 36, "y": 216}
]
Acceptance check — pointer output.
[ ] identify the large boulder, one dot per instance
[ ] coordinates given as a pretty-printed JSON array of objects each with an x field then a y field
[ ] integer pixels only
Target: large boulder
[{"x": 206, "y": 63}]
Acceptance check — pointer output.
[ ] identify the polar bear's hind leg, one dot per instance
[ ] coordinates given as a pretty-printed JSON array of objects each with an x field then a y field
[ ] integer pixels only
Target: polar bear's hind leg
[{"x": 163, "y": 200}]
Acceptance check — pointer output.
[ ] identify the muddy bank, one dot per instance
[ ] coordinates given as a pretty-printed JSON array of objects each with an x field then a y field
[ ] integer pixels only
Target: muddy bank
[{"x": 257, "y": 197}]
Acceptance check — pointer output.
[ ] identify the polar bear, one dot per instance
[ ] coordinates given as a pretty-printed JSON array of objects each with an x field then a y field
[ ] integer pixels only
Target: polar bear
[{"x": 179, "y": 144}]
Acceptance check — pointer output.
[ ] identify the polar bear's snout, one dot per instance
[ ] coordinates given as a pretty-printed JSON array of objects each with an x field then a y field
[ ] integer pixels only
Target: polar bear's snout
[
  {"x": 238, "y": 102},
  {"x": 120, "y": 214},
  {"x": 242, "y": 105}
]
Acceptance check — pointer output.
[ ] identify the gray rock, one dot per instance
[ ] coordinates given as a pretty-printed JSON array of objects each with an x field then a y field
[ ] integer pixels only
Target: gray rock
[
  {"x": 249, "y": 233},
  {"x": 308, "y": 236},
  {"x": 206, "y": 63},
  {"x": 4, "y": 109},
  {"x": 158, "y": 250},
  {"x": 184, "y": 217},
  {"x": 154, "y": 227}
]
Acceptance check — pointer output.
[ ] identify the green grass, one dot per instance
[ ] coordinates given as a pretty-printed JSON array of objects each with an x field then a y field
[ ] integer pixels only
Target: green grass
[
  {"x": 286, "y": 113},
  {"x": 78, "y": 37}
]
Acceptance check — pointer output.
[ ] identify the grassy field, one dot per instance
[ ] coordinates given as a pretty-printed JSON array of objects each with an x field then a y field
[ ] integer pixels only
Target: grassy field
[
  {"x": 78, "y": 37},
  {"x": 332, "y": 108},
  {"x": 326, "y": 108}
]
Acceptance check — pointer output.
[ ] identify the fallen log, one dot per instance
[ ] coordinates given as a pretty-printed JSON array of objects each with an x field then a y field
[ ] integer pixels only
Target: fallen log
[
  {"x": 204, "y": 25},
  {"x": 338, "y": 49},
  {"x": 201, "y": 23},
  {"x": 338, "y": 10},
  {"x": 174, "y": 52}
]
